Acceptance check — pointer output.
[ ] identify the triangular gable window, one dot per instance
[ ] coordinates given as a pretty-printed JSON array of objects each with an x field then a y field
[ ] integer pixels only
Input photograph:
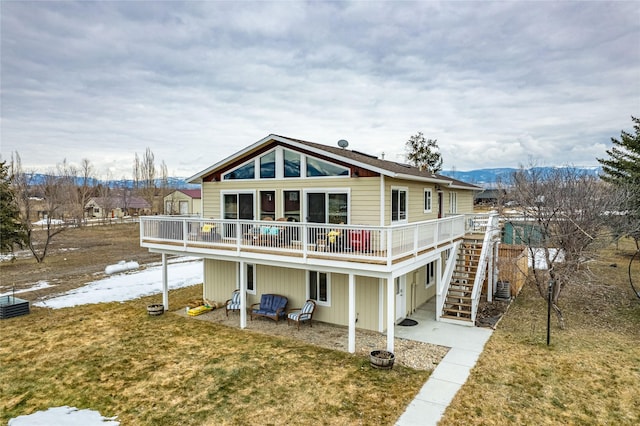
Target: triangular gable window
[
  {"x": 317, "y": 168},
  {"x": 246, "y": 171}
]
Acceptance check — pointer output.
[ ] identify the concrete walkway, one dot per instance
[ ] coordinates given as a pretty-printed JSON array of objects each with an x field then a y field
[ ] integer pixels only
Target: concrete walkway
[{"x": 466, "y": 345}]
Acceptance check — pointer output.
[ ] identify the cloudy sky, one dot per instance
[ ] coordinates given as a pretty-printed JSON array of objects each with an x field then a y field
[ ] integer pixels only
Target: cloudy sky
[{"x": 497, "y": 84}]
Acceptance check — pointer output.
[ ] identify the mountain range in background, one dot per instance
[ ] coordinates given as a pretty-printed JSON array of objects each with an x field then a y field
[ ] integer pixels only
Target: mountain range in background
[
  {"x": 486, "y": 178},
  {"x": 489, "y": 178}
]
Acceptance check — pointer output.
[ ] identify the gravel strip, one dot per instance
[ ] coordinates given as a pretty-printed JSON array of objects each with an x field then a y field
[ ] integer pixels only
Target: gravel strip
[{"x": 409, "y": 353}]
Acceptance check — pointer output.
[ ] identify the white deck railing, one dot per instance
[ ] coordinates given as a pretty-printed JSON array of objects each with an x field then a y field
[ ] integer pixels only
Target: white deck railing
[{"x": 380, "y": 244}]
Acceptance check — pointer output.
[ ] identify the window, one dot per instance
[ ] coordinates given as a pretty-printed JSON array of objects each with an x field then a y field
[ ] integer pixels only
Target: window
[
  {"x": 268, "y": 166},
  {"x": 246, "y": 171},
  {"x": 398, "y": 205},
  {"x": 428, "y": 201},
  {"x": 267, "y": 204},
  {"x": 291, "y": 164},
  {"x": 328, "y": 207},
  {"x": 317, "y": 168},
  {"x": 319, "y": 288},
  {"x": 453, "y": 202},
  {"x": 250, "y": 275},
  {"x": 430, "y": 273},
  {"x": 292, "y": 205}
]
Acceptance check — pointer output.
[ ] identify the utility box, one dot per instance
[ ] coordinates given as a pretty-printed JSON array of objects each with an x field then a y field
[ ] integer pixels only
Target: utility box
[{"x": 11, "y": 306}]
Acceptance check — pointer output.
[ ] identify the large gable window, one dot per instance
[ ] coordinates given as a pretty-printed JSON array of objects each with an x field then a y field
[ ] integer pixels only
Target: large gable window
[
  {"x": 291, "y": 164},
  {"x": 268, "y": 166},
  {"x": 246, "y": 171},
  {"x": 316, "y": 168}
]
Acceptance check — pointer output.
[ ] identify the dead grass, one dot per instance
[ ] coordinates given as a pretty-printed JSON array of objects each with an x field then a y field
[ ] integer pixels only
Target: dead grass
[
  {"x": 75, "y": 257},
  {"x": 170, "y": 370},
  {"x": 590, "y": 374}
]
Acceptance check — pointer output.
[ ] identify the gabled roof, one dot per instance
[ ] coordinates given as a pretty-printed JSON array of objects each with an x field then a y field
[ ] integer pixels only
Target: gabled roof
[
  {"x": 359, "y": 159},
  {"x": 192, "y": 193},
  {"x": 120, "y": 202}
]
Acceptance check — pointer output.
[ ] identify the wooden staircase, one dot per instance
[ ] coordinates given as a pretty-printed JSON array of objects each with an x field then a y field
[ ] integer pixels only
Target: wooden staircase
[{"x": 458, "y": 302}]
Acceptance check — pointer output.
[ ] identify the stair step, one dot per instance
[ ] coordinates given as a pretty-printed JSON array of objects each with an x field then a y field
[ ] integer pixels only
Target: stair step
[
  {"x": 456, "y": 304},
  {"x": 453, "y": 317},
  {"x": 457, "y": 297},
  {"x": 458, "y": 310}
]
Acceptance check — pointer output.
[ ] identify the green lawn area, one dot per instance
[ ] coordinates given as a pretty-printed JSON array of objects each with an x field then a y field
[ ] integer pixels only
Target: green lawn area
[
  {"x": 169, "y": 370},
  {"x": 590, "y": 374}
]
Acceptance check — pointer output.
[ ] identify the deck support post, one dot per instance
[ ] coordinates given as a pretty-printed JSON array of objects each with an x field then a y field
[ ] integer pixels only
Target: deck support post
[
  {"x": 165, "y": 283},
  {"x": 391, "y": 316},
  {"x": 242, "y": 285},
  {"x": 352, "y": 313}
]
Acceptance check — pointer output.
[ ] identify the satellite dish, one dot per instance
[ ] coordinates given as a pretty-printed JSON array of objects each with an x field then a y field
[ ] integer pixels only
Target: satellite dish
[{"x": 343, "y": 143}]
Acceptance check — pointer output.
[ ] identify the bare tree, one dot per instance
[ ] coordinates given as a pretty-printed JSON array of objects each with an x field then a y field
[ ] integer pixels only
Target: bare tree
[
  {"x": 563, "y": 212},
  {"x": 144, "y": 176},
  {"x": 87, "y": 186},
  {"x": 47, "y": 197}
]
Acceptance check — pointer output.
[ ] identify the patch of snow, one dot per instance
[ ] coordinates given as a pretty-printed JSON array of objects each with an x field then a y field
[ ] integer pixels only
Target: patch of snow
[
  {"x": 39, "y": 285},
  {"x": 68, "y": 416},
  {"x": 52, "y": 221},
  {"x": 128, "y": 286}
]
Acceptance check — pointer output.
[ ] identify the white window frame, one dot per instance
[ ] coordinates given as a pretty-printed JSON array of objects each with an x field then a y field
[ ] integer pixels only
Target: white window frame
[
  {"x": 406, "y": 207},
  {"x": 430, "y": 274},
  {"x": 319, "y": 302},
  {"x": 253, "y": 277},
  {"x": 453, "y": 202},
  {"x": 428, "y": 199}
]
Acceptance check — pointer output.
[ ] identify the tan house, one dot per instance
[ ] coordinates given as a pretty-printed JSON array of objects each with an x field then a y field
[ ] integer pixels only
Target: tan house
[
  {"x": 183, "y": 202},
  {"x": 116, "y": 207},
  {"x": 369, "y": 240}
]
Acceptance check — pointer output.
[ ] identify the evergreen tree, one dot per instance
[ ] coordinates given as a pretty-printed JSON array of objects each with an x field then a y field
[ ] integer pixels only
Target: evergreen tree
[
  {"x": 423, "y": 153},
  {"x": 622, "y": 170},
  {"x": 11, "y": 231}
]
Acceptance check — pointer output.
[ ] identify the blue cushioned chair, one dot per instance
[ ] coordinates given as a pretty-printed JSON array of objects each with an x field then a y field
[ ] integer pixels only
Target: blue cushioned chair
[
  {"x": 271, "y": 306},
  {"x": 305, "y": 313},
  {"x": 233, "y": 304}
]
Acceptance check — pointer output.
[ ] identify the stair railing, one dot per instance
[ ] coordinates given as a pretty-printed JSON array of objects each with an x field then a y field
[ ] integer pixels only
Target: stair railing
[
  {"x": 445, "y": 280},
  {"x": 492, "y": 231}
]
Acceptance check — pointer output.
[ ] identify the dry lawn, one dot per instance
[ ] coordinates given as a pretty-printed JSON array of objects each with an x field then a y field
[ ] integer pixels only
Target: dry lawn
[
  {"x": 172, "y": 370},
  {"x": 590, "y": 374}
]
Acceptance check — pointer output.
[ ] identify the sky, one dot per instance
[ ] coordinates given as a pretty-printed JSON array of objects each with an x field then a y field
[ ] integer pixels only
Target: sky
[{"x": 497, "y": 84}]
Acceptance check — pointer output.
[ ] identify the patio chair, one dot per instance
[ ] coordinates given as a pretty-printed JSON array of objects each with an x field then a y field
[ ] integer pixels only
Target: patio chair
[
  {"x": 233, "y": 304},
  {"x": 305, "y": 313}
]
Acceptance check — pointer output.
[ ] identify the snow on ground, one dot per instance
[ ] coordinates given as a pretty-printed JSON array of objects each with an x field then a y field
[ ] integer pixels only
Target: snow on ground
[
  {"x": 183, "y": 272},
  {"x": 68, "y": 416},
  {"x": 37, "y": 286}
]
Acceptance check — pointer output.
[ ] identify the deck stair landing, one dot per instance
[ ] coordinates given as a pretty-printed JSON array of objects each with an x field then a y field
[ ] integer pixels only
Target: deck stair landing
[{"x": 458, "y": 302}]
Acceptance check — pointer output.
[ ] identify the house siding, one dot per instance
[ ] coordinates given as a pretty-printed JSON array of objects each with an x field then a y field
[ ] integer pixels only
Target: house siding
[
  {"x": 364, "y": 194},
  {"x": 176, "y": 197}
]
